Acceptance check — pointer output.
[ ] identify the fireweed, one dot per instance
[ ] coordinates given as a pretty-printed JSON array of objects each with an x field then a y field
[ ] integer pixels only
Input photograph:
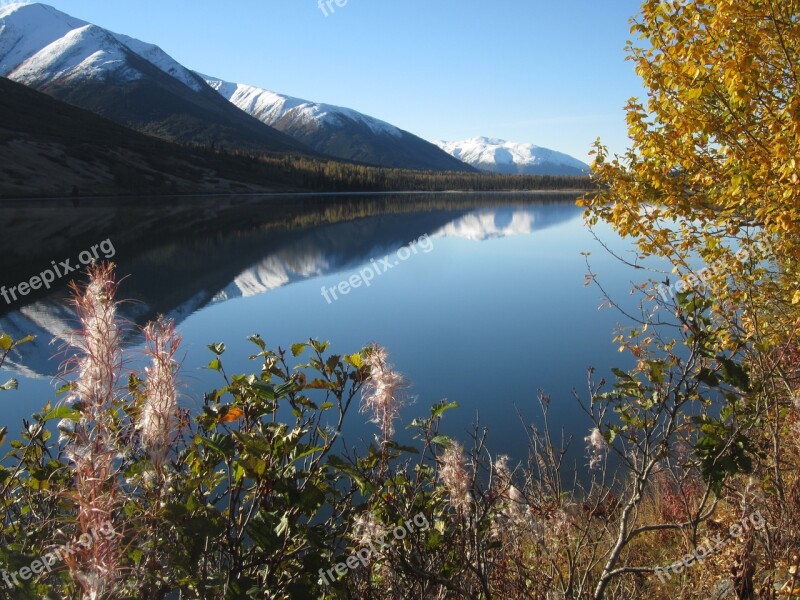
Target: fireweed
[
  {"x": 513, "y": 498},
  {"x": 382, "y": 394},
  {"x": 91, "y": 441},
  {"x": 455, "y": 477},
  {"x": 158, "y": 415},
  {"x": 596, "y": 447}
]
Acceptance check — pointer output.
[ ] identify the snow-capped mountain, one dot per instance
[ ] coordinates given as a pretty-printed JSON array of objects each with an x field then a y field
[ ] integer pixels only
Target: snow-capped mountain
[
  {"x": 335, "y": 130},
  {"x": 500, "y": 156},
  {"x": 127, "y": 80}
]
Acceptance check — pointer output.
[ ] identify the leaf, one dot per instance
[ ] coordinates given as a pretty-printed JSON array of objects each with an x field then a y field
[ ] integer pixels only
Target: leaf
[
  {"x": 442, "y": 440},
  {"x": 283, "y": 525},
  {"x": 734, "y": 374},
  {"x": 354, "y": 359},
  {"x": 215, "y": 364},
  {"x": 233, "y": 414},
  {"x": 332, "y": 363},
  {"x": 264, "y": 390},
  {"x": 441, "y": 407},
  {"x": 622, "y": 374},
  {"x": 25, "y": 340},
  {"x": 218, "y": 348},
  {"x": 6, "y": 342},
  {"x": 320, "y": 384},
  {"x": 11, "y": 384},
  {"x": 62, "y": 412},
  {"x": 297, "y": 349},
  {"x": 256, "y": 339}
]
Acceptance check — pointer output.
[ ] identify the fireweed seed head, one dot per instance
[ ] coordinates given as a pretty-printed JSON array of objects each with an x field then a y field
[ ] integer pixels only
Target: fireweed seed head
[
  {"x": 98, "y": 341},
  {"x": 596, "y": 447},
  {"x": 383, "y": 393},
  {"x": 368, "y": 531},
  {"x": 454, "y": 476},
  {"x": 159, "y": 411}
]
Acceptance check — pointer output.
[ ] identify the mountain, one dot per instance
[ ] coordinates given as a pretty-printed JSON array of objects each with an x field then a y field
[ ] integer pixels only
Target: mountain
[
  {"x": 51, "y": 148},
  {"x": 500, "y": 156},
  {"x": 336, "y": 131},
  {"x": 128, "y": 81}
]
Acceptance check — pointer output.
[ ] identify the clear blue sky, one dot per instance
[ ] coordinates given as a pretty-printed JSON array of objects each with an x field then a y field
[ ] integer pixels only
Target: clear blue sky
[{"x": 552, "y": 73}]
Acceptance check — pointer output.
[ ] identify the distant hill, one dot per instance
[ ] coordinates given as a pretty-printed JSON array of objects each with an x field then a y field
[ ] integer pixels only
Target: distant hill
[
  {"x": 336, "y": 131},
  {"x": 499, "y": 156}
]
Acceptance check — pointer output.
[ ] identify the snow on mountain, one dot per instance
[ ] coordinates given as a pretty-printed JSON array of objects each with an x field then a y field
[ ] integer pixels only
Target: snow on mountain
[
  {"x": 336, "y": 131},
  {"x": 272, "y": 108},
  {"x": 131, "y": 82},
  {"x": 27, "y": 28},
  {"x": 39, "y": 44},
  {"x": 500, "y": 156},
  {"x": 156, "y": 56}
]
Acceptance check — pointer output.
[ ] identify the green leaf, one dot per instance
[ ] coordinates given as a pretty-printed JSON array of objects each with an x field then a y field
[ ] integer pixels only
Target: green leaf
[
  {"x": 622, "y": 374},
  {"x": 734, "y": 374},
  {"x": 297, "y": 349},
  {"x": 11, "y": 384},
  {"x": 62, "y": 412},
  {"x": 439, "y": 408},
  {"x": 256, "y": 339},
  {"x": 442, "y": 440},
  {"x": 218, "y": 348},
  {"x": 708, "y": 377},
  {"x": 264, "y": 390},
  {"x": 215, "y": 364}
]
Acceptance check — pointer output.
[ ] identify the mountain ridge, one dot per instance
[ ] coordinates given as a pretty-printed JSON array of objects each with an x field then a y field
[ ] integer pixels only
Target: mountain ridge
[
  {"x": 500, "y": 156},
  {"x": 337, "y": 131}
]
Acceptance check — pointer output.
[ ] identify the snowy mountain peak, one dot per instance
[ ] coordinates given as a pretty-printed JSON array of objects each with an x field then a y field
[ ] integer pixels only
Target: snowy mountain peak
[
  {"x": 27, "y": 28},
  {"x": 39, "y": 44},
  {"x": 499, "y": 156}
]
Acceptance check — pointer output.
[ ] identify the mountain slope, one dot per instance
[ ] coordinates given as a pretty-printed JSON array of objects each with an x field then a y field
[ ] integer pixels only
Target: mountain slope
[
  {"x": 336, "y": 131},
  {"x": 51, "y": 148},
  {"x": 500, "y": 156},
  {"x": 129, "y": 81}
]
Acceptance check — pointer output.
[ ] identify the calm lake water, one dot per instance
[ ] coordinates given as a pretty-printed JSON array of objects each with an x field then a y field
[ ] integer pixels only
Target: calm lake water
[{"x": 486, "y": 308}]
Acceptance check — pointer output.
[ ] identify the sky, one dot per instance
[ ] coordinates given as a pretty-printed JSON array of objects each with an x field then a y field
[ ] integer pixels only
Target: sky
[{"x": 537, "y": 71}]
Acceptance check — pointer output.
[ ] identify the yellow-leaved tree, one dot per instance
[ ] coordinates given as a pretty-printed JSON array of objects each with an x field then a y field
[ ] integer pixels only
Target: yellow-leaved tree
[
  {"x": 711, "y": 183},
  {"x": 713, "y": 168}
]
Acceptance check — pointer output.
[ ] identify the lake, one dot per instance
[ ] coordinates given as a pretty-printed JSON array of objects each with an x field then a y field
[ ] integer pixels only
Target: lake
[{"x": 480, "y": 299}]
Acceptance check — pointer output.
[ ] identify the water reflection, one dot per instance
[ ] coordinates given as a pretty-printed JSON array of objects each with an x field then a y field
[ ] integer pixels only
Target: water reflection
[{"x": 182, "y": 256}]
